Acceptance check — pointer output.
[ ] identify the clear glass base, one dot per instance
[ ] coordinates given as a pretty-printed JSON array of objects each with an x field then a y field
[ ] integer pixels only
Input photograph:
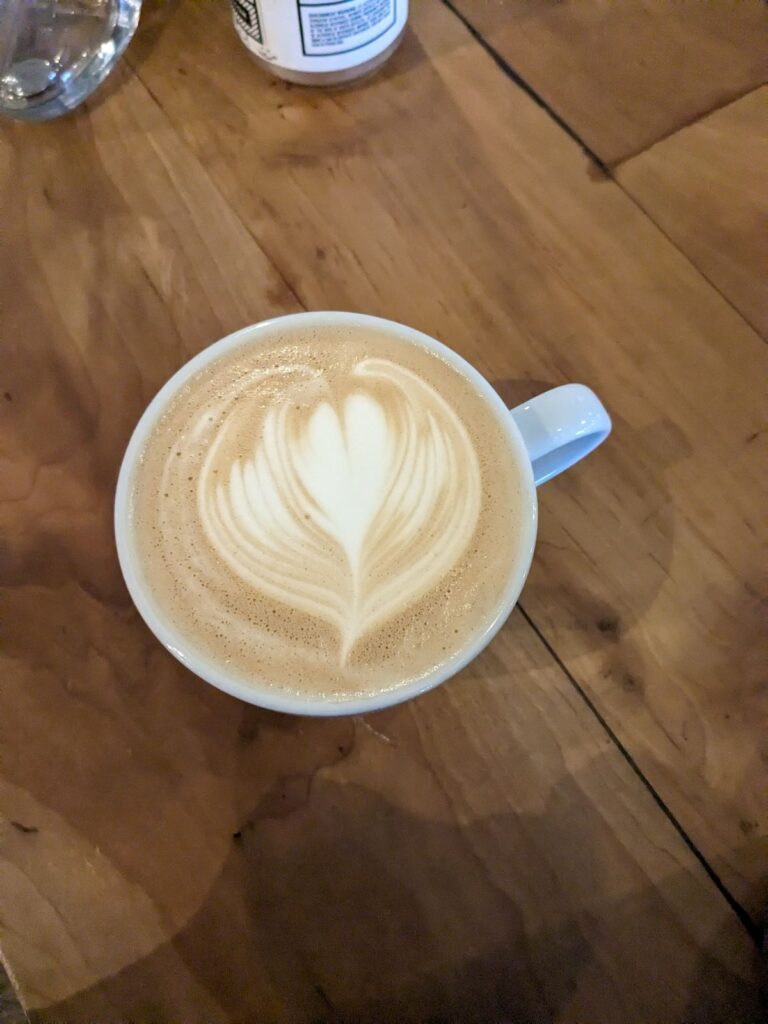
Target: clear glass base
[{"x": 53, "y": 54}]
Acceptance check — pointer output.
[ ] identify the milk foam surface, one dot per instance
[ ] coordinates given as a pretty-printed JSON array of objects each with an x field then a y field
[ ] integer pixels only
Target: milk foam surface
[{"x": 331, "y": 513}]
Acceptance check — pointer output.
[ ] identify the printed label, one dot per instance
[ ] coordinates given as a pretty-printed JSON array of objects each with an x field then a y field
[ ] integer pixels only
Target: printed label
[
  {"x": 247, "y": 17},
  {"x": 318, "y": 35},
  {"x": 335, "y": 28}
]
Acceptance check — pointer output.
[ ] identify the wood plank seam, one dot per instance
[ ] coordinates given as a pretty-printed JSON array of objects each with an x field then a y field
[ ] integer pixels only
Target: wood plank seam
[
  {"x": 745, "y": 919},
  {"x": 518, "y": 79},
  {"x": 570, "y": 819},
  {"x": 616, "y": 69},
  {"x": 686, "y": 124},
  {"x": 707, "y": 278},
  {"x": 623, "y": 177},
  {"x": 750, "y": 926},
  {"x": 599, "y": 165},
  {"x": 753, "y": 929}
]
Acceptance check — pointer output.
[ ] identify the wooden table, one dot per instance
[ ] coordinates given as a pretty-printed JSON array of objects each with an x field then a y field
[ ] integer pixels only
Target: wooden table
[{"x": 574, "y": 829}]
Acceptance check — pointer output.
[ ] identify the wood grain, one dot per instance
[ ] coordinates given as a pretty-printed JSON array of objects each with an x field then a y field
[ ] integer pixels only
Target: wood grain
[
  {"x": 705, "y": 187},
  {"x": 486, "y": 852},
  {"x": 480, "y": 853},
  {"x": 484, "y": 225},
  {"x": 624, "y": 75}
]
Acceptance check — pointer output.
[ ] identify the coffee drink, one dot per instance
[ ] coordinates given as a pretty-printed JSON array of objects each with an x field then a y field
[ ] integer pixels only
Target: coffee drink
[{"x": 333, "y": 512}]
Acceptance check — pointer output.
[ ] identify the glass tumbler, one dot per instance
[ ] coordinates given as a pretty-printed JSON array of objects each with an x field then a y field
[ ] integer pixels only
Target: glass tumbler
[{"x": 53, "y": 53}]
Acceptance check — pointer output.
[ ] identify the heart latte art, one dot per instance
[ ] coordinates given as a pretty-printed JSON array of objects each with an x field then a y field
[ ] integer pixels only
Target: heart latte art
[
  {"x": 332, "y": 511},
  {"x": 314, "y": 513}
]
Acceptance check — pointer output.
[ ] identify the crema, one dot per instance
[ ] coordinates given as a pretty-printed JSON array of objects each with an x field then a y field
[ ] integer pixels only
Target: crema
[{"x": 331, "y": 512}]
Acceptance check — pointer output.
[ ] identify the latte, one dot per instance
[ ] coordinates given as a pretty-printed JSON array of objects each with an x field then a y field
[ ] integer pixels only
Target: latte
[{"x": 332, "y": 512}]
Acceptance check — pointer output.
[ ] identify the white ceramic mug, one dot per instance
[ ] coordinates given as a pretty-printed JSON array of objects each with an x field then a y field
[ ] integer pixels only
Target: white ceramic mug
[{"x": 546, "y": 435}]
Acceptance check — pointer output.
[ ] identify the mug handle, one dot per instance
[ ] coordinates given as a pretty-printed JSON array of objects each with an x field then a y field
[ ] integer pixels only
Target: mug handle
[{"x": 560, "y": 427}]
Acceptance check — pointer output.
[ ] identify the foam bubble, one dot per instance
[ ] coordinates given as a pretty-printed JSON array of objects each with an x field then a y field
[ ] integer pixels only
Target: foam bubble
[{"x": 327, "y": 525}]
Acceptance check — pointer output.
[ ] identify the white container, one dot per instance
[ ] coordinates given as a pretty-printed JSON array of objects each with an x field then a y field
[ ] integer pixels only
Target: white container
[{"x": 320, "y": 42}]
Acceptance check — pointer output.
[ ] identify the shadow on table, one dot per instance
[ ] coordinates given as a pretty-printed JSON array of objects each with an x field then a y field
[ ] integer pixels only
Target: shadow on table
[
  {"x": 631, "y": 481},
  {"x": 334, "y": 905},
  {"x": 10, "y": 1010},
  {"x": 156, "y": 16}
]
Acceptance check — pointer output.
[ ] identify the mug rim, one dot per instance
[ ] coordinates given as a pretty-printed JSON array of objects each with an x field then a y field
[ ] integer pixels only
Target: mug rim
[{"x": 263, "y": 694}]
